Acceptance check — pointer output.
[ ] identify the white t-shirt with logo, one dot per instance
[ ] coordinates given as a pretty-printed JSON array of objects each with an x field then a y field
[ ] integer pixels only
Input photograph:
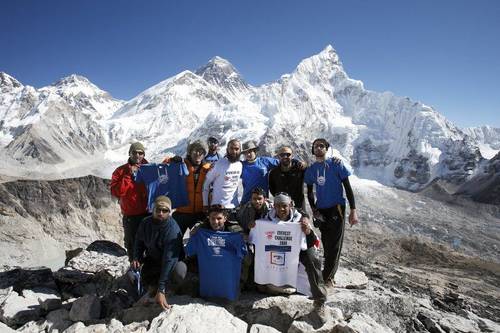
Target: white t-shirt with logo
[
  {"x": 277, "y": 248},
  {"x": 225, "y": 177}
]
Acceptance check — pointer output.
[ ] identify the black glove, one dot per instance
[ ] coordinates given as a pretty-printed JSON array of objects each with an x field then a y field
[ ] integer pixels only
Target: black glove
[{"x": 176, "y": 159}]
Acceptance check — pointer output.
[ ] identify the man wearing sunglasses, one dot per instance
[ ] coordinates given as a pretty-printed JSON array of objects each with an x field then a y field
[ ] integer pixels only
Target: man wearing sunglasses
[
  {"x": 330, "y": 180},
  {"x": 131, "y": 195},
  {"x": 157, "y": 249},
  {"x": 213, "y": 155},
  {"x": 288, "y": 177}
]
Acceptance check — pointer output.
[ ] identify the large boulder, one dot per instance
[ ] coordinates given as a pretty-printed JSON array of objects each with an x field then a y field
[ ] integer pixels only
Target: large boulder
[
  {"x": 197, "y": 316},
  {"x": 85, "y": 309},
  {"x": 18, "y": 309}
]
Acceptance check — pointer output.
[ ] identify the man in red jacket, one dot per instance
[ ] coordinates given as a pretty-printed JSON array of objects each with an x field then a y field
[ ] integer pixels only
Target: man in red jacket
[{"x": 132, "y": 196}]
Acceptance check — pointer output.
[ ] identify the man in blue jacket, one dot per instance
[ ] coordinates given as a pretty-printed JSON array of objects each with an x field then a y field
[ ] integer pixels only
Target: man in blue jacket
[{"x": 158, "y": 245}]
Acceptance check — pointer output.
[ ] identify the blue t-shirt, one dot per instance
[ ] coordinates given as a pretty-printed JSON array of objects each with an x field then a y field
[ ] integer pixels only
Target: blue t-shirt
[
  {"x": 165, "y": 179},
  {"x": 209, "y": 158},
  {"x": 255, "y": 175},
  {"x": 219, "y": 261},
  {"x": 327, "y": 178}
]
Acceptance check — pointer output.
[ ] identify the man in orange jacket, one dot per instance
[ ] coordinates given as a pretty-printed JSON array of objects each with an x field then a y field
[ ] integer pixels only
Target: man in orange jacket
[
  {"x": 188, "y": 216},
  {"x": 132, "y": 196}
]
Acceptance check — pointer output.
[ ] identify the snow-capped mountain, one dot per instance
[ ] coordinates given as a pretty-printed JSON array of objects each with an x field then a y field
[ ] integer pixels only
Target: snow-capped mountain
[
  {"x": 392, "y": 139},
  {"x": 487, "y": 138},
  {"x": 55, "y": 124}
]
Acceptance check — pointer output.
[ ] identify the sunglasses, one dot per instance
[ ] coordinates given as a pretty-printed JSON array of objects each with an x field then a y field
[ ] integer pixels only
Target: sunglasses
[
  {"x": 162, "y": 210},
  {"x": 285, "y": 155},
  {"x": 319, "y": 145},
  {"x": 212, "y": 142},
  {"x": 136, "y": 152}
]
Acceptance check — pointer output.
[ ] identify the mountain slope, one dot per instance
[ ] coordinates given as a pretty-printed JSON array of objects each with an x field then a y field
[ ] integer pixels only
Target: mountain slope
[{"x": 391, "y": 139}]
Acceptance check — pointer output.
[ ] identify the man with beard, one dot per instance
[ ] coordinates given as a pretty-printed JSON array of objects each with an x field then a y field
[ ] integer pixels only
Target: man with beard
[
  {"x": 131, "y": 195},
  {"x": 157, "y": 249},
  {"x": 224, "y": 178},
  {"x": 288, "y": 177},
  {"x": 329, "y": 207},
  {"x": 187, "y": 216}
]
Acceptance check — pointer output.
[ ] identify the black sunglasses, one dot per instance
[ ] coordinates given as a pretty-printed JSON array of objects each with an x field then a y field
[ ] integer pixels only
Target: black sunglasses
[
  {"x": 137, "y": 152},
  {"x": 285, "y": 155},
  {"x": 163, "y": 210}
]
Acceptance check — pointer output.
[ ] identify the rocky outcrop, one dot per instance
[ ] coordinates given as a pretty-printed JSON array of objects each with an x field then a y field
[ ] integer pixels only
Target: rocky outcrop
[
  {"x": 485, "y": 185},
  {"x": 42, "y": 219},
  {"x": 357, "y": 304}
]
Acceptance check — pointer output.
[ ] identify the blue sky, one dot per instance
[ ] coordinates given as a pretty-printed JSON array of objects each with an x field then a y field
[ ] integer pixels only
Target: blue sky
[{"x": 443, "y": 53}]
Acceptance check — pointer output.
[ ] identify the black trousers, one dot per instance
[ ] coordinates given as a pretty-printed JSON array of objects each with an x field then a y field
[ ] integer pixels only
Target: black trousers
[
  {"x": 130, "y": 225},
  {"x": 332, "y": 237},
  {"x": 311, "y": 262}
]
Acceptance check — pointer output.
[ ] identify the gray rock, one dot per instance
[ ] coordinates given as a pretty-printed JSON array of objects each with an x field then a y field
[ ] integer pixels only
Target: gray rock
[
  {"x": 197, "y": 317},
  {"x": 34, "y": 327},
  {"x": 141, "y": 327},
  {"x": 85, "y": 308},
  {"x": 350, "y": 279},
  {"x": 258, "y": 328},
  {"x": 317, "y": 320},
  {"x": 140, "y": 313},
  {"x": 93, "y": 262},
  {"x": 361, "y": 323},
  {"x": 21, "y": 279},
  {"x": 5, "y": 329},
  {"x": 18, "y": 310},
  {"x": 105, "y": 246},
  {"x": 58, "y": 320}
]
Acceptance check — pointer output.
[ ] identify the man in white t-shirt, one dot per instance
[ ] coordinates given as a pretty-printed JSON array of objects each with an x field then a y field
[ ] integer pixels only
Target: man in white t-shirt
[
  {"x": 224, "y": 178},
  {"x": 284, "y": 212}
]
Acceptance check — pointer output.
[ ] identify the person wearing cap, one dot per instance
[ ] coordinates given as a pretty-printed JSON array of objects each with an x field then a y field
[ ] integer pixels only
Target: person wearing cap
[
  {"x": 288, "y": 177},
  {"x": 157, "y": 249},
  {"x": 223, "y": 179},
  {"x": 187, "y": 216},
  {"x": 132, "y": 196},
  {"x": 284, "y": 211},
  {"x": 213, "y": 155},
  {"x": 256, "y": 170},
  {"x": 329, "y": 179}
]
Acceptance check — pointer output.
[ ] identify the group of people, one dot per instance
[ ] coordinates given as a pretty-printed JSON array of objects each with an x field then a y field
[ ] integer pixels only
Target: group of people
[{"x": 159, "y": 202}]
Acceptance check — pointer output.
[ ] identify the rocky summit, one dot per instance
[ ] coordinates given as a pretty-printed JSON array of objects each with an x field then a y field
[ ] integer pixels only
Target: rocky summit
[{"x": 93, "y": 293}]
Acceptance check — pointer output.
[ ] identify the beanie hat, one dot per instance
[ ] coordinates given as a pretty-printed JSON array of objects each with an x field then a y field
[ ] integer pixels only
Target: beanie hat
[
  {"x": 282, "y": 198},
  {"x": 136, "y": 146},
  {"x": 163, "y": 201},
  {"x": 196, "y": 145}
]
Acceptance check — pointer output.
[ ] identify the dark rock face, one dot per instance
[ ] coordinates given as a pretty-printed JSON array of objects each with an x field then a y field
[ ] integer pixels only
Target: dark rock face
[
  {"x": 54, "y": 216},
  {"x": 459, "y": 161},
  {"x": 413, "y": 169},
  {"x": 21, "y": 279},
  {"x": 368, "y": 154},
  {"x": 485, "y": 186},
  {"x": 41, "y": 199},
  {"x": 104, "y": 246}
]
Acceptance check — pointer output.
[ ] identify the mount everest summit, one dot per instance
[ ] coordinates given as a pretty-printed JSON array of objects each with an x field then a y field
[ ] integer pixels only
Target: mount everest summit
[{"x": 73, "y": 128}]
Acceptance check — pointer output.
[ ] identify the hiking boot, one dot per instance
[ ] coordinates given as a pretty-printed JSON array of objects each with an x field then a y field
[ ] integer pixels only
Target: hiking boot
[
  {"x": 274, "y": 290},
  {"x": 330, "y": 283}
]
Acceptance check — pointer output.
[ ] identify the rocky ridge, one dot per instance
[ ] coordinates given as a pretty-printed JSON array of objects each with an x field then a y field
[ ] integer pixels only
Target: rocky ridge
[{"x": 92, "y": 293}]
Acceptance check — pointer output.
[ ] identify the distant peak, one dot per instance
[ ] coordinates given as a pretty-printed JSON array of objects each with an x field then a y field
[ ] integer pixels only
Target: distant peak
[
  {"x": 8, "y": 81},
  {"x": 329, "y": 54},
  {"x": 216, "y": 64},
  {"x": 71, "y": 80},
  {"x": 221, "y": 72}
]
